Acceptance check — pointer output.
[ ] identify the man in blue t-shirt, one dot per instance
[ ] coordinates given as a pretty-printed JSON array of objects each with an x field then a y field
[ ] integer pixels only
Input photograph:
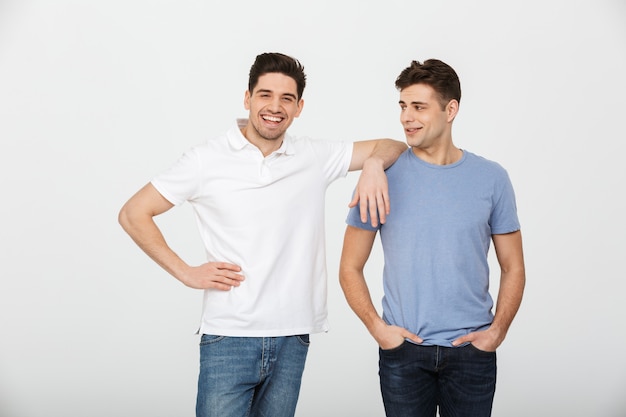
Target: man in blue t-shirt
[{"x": 437, "y": 334}]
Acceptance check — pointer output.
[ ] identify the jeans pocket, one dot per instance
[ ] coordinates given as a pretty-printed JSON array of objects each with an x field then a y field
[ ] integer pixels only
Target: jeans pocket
[
  {"x": 207, "y": 339},
  {"x": 484, "y": 352},
  {"x": 304, "y": 339},
  {"x": 394, "y": 349}
]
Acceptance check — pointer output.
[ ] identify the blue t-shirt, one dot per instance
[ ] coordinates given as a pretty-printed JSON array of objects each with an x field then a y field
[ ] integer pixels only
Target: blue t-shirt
[{"x": 435, "y": 243}]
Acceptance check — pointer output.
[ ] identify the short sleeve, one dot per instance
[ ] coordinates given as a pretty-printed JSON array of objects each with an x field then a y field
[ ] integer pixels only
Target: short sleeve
[
  {"x": 504, "y": 217},
  {"x": 180, "y": 182},
  {"x": 335, "y": 157}
]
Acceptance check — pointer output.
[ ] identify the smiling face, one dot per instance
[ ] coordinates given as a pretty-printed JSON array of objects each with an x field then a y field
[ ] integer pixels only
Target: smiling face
[
  {"x": 426, "y": 125},
  {"x": 273, "y": 105}
]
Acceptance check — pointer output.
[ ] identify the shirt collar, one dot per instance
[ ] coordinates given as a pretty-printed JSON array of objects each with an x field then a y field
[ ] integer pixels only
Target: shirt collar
[{"x": 238, "y": 141}]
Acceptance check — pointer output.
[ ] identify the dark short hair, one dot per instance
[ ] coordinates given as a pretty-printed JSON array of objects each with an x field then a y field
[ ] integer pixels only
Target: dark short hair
[
  {"x": 276, "y": 62},
  {"x": 435, "y": 73}
]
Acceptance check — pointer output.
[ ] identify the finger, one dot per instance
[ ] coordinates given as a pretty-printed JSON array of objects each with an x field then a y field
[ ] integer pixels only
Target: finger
[
  {"x": 232, "y": 276},
  {"x": 387, "y": 203},
  {"x": 363, "y": 204},
  {"x": 355, "y": 200},
  {"x": 223, "y": 283},
  {"x": 227, "y": 266},
  {"x": 231, "y": 281},
  {"x": 460, "y": 341},
  {"x": 382, "y": 209},
  {"x": 218, "y": 286},
  {"x": 373, "y": 209}
]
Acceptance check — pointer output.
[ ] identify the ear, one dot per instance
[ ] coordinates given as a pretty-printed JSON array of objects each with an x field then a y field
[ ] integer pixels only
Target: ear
[
  {"x": 246, "y": 100},
  {"x": 452, "y": 108},
  {"x": 300, "y": 107}
]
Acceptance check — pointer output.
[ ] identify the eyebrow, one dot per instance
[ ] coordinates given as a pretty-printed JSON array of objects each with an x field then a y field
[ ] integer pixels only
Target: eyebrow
[
  {"x": 270, "y": 91},
  {"x": 423, "y": 103}
]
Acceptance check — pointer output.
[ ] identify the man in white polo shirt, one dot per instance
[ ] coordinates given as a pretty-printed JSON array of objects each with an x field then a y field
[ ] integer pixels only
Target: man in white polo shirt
[{"x": 259, "y": 199}]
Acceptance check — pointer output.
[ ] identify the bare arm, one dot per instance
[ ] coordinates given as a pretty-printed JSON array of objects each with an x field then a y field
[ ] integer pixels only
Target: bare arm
[
  {"x": 357, "y": 247},
  {"x": 136, "y": 218},
  {"x": 512, "y": 281},
  {"x": 373, "y": 157}
]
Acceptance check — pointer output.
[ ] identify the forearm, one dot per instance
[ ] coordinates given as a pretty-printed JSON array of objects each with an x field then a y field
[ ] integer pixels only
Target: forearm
[
  {"x": 357, "y": 245},
  {"x": 381, "y": 153},
  {"x": 388, "y": 151},
  {"x": 509, "y": 299},
  {"x": 359, "y": 299},
  {"x": 512, "y": 281},
  {"x": 146, "y": 234}
]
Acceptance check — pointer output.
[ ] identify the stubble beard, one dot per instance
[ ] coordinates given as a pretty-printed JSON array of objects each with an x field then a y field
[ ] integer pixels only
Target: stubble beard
[{"x": 267, "y": 134}]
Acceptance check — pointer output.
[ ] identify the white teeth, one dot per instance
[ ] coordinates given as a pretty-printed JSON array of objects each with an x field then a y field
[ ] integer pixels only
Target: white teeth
[{"x": 272, "y": 118}]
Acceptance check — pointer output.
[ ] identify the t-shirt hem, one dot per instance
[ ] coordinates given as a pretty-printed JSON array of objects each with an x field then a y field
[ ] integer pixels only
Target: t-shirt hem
[{"x": 262, "y": 333}]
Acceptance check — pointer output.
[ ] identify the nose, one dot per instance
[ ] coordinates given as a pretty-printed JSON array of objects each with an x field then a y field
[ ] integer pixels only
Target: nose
[
  {"x": 274, "y": 105},
  {"x": 406, "y": 115}
]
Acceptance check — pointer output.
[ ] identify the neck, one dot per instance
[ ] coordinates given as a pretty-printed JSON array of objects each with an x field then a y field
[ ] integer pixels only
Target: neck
[
  {"x": 442, "y": 155},
  {"x": 266, "y": 146}
]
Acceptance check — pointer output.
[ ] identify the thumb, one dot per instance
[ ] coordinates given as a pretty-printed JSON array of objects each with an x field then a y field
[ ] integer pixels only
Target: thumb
[
  {"x": 413, "y": 337},
  {"x": 355, "y": 199},
  {"x": 461, "y": 340}
]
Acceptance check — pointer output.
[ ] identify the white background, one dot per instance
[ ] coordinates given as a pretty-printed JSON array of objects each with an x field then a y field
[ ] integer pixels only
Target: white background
[{"x": 96, "y": 97}]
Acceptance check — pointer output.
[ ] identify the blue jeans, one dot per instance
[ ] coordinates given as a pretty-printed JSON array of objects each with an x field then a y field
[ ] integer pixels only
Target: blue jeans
[
  {"x": 416, "y": 379},
  {"x": 250, "y": 376}
]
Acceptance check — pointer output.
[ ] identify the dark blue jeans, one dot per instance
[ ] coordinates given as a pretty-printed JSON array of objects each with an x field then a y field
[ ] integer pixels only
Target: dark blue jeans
[
  {"x": 250, "y": 376},
  {"x": 416, "y": 379}
]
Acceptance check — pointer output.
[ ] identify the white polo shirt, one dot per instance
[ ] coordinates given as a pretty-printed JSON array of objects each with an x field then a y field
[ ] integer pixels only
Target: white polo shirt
[{"x": 265, "y": 214}]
